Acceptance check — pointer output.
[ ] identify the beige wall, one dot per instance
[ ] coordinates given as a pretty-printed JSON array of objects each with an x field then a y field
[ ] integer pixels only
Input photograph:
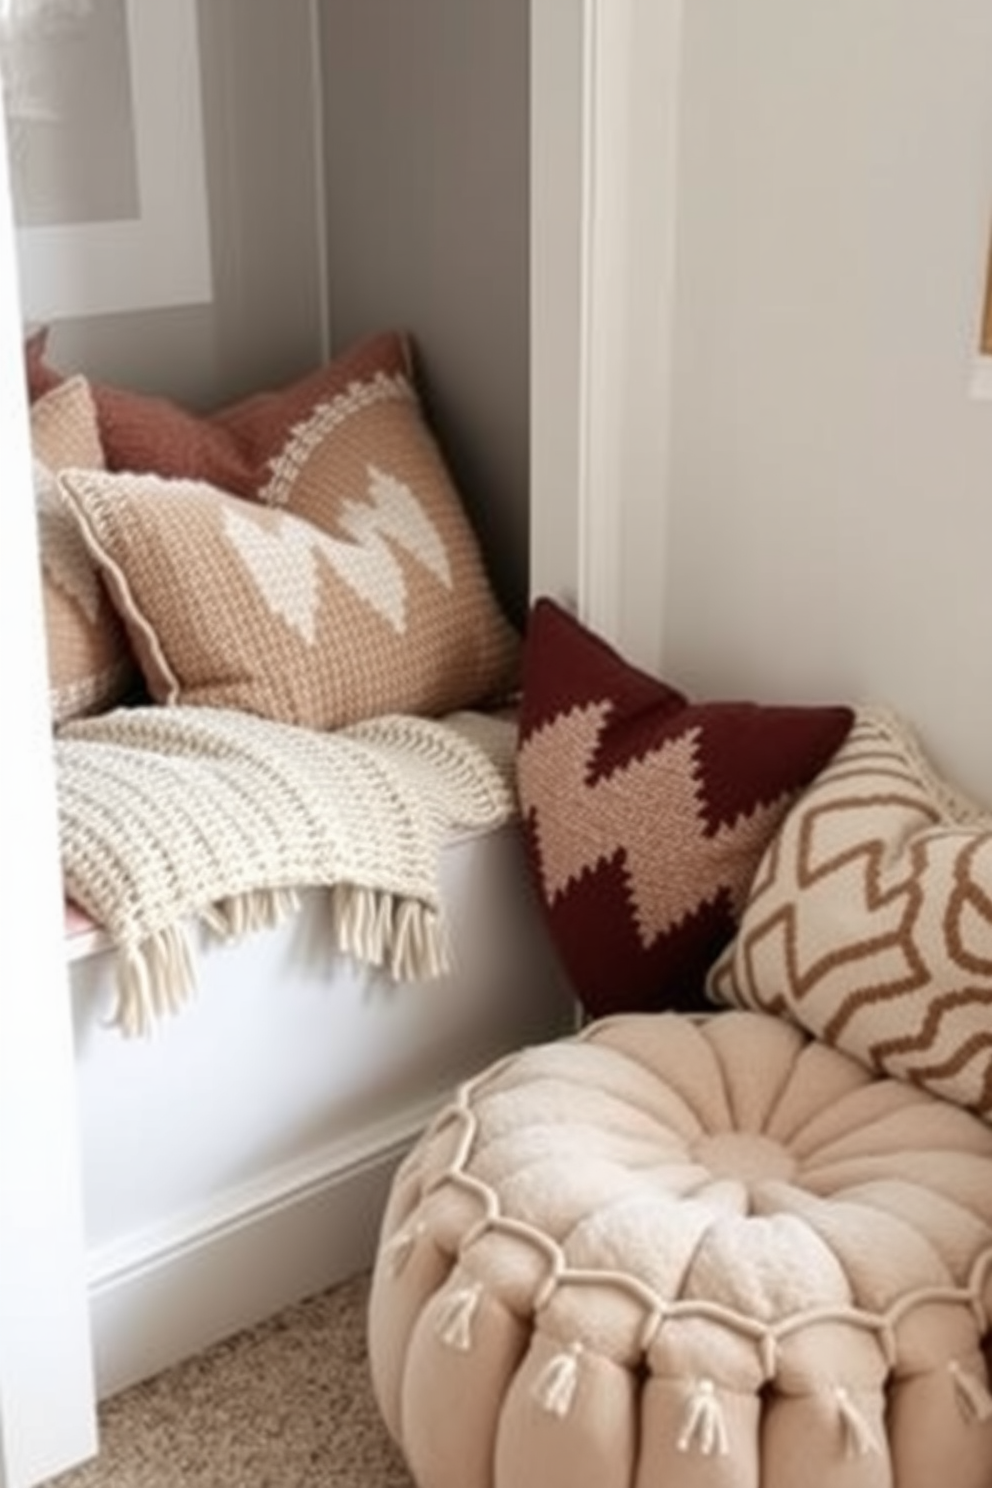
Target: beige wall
[{"x": 830, "y": 507}]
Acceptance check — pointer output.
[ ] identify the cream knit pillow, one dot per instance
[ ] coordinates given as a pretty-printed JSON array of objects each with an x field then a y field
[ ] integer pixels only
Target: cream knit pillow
[{"x": 869, "y": 920}]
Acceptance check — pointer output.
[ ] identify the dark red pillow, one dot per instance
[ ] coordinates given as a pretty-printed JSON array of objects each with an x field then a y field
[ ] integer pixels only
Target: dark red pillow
[{"x": 645, "y": 815}]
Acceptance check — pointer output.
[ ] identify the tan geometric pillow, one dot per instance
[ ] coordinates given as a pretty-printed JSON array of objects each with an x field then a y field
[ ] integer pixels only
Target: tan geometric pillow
[
  {"x": 869, "y": 920},
  {"x": 360, "y": 590},
  {"x": 89, "y": 660}
]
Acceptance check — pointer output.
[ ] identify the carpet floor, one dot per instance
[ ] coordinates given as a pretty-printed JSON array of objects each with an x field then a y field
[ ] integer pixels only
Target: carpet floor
[{"x": 286, "y": 1404}]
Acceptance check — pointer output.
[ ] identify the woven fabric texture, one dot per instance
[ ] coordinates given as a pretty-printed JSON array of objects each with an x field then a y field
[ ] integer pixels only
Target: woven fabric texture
[
  {"x": 167, "y": 815},
  {"x": 645, "y": 814},
  {"x": 89, "y": 658},
  {"x": 359, "y": 590},
  {"x": 869, "y": 921}
]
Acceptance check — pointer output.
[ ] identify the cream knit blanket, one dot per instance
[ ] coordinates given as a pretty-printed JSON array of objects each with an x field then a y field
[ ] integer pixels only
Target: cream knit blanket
[{"x": 168, "y": 815}]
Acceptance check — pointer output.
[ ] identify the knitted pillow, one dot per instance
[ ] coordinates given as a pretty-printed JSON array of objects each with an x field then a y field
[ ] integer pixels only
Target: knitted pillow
[
  {"x": 646, "y": 815},
  {"x": 237, "y": 447},
  {"x": 89, "y": 659},
  {"x": 41, "y": 377},
  {"x": 363, "y": 592},
  {"x": 869, "y": 921}
]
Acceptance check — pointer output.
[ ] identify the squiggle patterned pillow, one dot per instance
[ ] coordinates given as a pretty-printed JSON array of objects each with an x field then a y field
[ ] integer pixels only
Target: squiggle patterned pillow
[{"x": 869, "y": 920}]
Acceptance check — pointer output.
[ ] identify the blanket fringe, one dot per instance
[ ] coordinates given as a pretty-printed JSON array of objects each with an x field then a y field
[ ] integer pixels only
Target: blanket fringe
[
  {"x": 401, "y": 936},
  {"x": 154, "y": 978},
  {"x": 404, "y": 936},
  {"x": 257, "y": 909}
]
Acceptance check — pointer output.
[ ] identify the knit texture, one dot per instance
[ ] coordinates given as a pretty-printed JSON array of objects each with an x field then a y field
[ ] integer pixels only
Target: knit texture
[
  {"x": 173, "y": 814},
  {"x": 359, "y": 590},
  {"x": 709, "y": 1245},
  {"x": 89, "y": 661},
  {"x": 647, "y": 814},
  {"x": 242, "y": 547},
  {"x": 869, "y": 920}
]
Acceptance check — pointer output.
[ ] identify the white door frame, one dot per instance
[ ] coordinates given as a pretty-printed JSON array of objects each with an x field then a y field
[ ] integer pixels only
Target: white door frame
[
  {"x": 47, "y": 1398},
  {"x": 604, "y": 119}
]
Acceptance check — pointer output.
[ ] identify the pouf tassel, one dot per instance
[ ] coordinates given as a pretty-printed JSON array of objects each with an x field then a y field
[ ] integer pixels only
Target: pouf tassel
[
  {"x": 973, "y": 1395},
  {"x": 554, "y": 1388},
  {"x": 858, "y": 1434},
  {"x": 705, "y": 1427},
  {"x": 454, "y": 1318},
  {"x": 399, "y": 1247}
]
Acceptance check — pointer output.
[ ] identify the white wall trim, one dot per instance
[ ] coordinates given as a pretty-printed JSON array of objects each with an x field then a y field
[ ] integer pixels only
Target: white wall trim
[
  {"x": 604, "y": 216},
  {"x": 164, "y": 1294},
  {"x": 47, "y": 1417}
]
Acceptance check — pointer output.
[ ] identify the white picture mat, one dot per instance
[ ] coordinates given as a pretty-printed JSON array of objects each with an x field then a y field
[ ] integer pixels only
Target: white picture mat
[{"x": 161, "y": 257}]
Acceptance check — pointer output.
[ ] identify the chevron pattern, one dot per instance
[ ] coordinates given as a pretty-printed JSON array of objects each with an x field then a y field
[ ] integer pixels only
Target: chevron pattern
[
  {"x": 357, "y": 587},
  {"x": 556, "y": 765},
  {"x": 869, "y": 920},
  {"x": 645, "y": 815}
]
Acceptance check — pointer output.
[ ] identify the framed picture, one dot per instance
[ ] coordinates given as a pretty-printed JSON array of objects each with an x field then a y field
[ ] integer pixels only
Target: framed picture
[{"x": 105, "y": 133}]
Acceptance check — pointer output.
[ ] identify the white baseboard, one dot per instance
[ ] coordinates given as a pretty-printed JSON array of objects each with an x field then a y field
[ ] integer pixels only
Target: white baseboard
[{"x": 163, "y": 1295}]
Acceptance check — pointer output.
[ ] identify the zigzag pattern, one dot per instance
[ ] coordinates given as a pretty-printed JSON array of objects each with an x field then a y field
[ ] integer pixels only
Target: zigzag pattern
[
  {"x": 591, "y": 821},
  {"x": 274, "y": 551},
  {"x": 869, "y": 921}
]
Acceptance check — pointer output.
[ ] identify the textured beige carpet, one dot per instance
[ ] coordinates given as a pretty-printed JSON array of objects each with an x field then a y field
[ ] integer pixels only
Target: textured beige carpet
[{"x": 284, "y": 1405}]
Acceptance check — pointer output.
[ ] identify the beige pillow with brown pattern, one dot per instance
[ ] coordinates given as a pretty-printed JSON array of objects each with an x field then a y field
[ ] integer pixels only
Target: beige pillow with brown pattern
[
  {"x": 89, "y": 659},
  {"x": 359, "y": 589},
  {"x": 869, "y": 920}
]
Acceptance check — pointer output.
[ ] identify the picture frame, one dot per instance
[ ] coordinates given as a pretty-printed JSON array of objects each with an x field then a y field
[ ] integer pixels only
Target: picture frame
[{"x": 157, "y": 253}]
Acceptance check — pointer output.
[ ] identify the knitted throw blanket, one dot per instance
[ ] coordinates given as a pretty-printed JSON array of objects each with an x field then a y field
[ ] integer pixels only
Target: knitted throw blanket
[{"x": 169, "y": 815}]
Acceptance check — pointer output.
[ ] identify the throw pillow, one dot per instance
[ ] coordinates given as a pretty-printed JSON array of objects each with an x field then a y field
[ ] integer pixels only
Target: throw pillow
[
  {"x": 869, "y": 921},
  {"x": 645, "y": 815},
  {"x": 40, "y": 375},
  {"x": 362, "y": 592},
  {"x": 89, "y": 659},
  {"x": 237, "y": 446}
]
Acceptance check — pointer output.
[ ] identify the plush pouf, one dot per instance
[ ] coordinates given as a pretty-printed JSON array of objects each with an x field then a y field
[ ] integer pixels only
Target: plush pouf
[{"x": 677, "y": 1252}]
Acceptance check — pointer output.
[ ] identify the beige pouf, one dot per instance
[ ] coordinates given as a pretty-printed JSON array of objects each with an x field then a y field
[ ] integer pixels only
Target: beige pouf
[{"x": 689, "y": 1253}]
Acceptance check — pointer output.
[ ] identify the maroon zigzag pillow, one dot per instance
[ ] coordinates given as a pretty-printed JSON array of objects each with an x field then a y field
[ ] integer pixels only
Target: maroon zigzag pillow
[{"x": 645, "y": 815}]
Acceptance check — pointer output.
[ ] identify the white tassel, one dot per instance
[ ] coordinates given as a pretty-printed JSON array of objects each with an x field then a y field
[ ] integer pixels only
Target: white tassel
[
  {"x": 399, "y": 1247},
  {"x": 554, "y": 1388},
  {"x": 454, "y": 1317},
  {"x": 858, "y": 1435},
  {"x": 972, "y": 1393},
  {"x": 705, "y": 1428}
]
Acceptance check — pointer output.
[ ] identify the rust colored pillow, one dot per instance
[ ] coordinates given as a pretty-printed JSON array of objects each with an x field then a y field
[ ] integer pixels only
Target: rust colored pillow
[
  {"x": 234, "y": 447},
  {"x": 40, "y": 375},
  {"x": 358, "y": 588},
  {"x": 89, "y": 660},
  {"x": 646, "y": 815}
]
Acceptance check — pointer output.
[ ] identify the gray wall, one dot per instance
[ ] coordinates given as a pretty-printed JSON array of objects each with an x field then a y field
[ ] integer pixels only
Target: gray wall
[
  {"x": 426, "y": 145},
  {"x": 265, "y": 322}
]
